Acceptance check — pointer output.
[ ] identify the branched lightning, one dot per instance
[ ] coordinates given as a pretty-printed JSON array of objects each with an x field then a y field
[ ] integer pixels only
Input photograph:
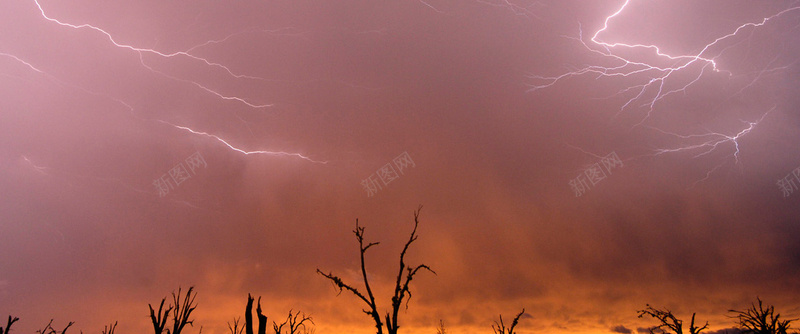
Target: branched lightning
[
  {"x": 189, "y": 55},
  {"x": 277, "y": 153},
  {"x": 141, "y": 51},
  {"x": 657, "y": 78},
  {"x": 711, "y": 140},
  {"x": 657, "y": 75},
  {"x": 209, "y": 90}
]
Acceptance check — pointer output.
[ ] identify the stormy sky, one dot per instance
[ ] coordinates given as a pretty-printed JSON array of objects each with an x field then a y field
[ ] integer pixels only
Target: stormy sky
[{"x": 579, "y": 159}]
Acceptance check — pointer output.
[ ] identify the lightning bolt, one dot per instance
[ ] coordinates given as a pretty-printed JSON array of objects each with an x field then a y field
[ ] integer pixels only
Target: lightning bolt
[
  {"x": 628, "y": 67},
  {"x": 517, "y": 9},
  {"x": 209, "y": 90},
  {"x": 287, "y": 31},
  {"x": 142, "y": 51},
  {"x": 21, "y": 61},
  {"x": 39, "y": 169},
  {"x": 275, "y": 153},
  {"x": 432, "y": 7},
  {"x": 659, "y": 78},
  {"x": 189, "y": 55},
  {"x": 711, "y": 139}
]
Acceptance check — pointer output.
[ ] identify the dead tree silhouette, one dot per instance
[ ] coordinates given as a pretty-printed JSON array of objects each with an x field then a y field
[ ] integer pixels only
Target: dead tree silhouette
[
  {"x": 295, "y": 323},
  {"x": 248, "y": 317},
  {"x": 235, "y": 329},
  {"x": 401, "y": 285},
  {"x": 669, "y": 321},
  {"x": 500, "y": 328},
  {"x": 761, "y": 320},
  {"x": 181, "y": 310},
  {"x": 439, "y": 330},
  {"x": 10, "y": 322},
  {"x": 110, "y": 328},
  {"x": 50, "y": 330}
]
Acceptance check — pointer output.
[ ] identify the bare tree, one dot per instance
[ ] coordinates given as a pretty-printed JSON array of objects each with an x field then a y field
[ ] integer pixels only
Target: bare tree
[
  {"x": 440, "y": 329},
  {"x": 110, "y": 328},
  {"x": 401, "y": 285},
  {"x": 50, "y": 330},
  {"x": 762, "y": 320},
  {"x": 262, "y": 319},
  {"x": 500, "y": 327},
  {"x": 248, "y": 317},
  {"x": 180, "y": 311},
  {"x": 295, "y": 323},
  {"x": 10, "y": 322},
  {"x": 235, "y": 329},
  {"x": 159, "y": 318},
  {"x": 669, "y": 321}
]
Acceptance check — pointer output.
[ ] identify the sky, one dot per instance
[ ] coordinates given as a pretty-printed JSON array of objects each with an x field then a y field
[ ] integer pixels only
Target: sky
[{"x": 578, "y": 159}]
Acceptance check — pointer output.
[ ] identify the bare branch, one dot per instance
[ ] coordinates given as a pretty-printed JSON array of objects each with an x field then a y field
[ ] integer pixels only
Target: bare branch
[
  {"x": 47, "y": 329},
  {"x": 262, "y": 319},
  {"x": 341, "y": 284},
  {"x": 10, "y": 322},
  {"x": 402, "y": 283},
  {"x": 235, "y": 329},
  {"x": 109, "y": 329},
  {"x": 295, "y": 322},
  {"x": 63, "y": 331},
  {"x": 405, "y": 275},
  {"x": 159, "y": 319},
  {"x": 248, "y": 315},
  {"x": 440, "y": 329},
  {"x": 669, "y": 321},
  {"x": 182, "y": 311},
  {"x": 762, "y": 320},
  {"x": 50, "y": 330},
  {"x": 369, "y": 299},
  {"x": 500, "y": 327}
]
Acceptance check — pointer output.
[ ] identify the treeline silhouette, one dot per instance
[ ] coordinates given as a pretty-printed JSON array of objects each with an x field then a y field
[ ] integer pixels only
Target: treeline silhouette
[{"x": 757, "y": 319}]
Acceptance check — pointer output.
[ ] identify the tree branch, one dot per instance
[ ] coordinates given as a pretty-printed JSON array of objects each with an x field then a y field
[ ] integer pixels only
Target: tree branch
[{"x": 10, "y": 322}]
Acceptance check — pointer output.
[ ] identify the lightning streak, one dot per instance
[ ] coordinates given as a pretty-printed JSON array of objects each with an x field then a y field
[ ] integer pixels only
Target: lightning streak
[
  {"x": 518, "y": 10},
  {"x": 432, "y": 7},
  {"x": 630, "y": 67},
  {"x": 140, "y": 51},
  {"x": 277, "y": 153},
  {"x": 187, "y": 54},
  {"x": 655, "y": 79},
  {"x": 41, "y": 170},
  {"x": 209, "y": 90},
  {"x": 714, "y": 139},
  {"x": 22, "y": 61}
]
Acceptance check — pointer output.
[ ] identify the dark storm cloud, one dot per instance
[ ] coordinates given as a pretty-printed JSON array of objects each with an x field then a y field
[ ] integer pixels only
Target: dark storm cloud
[
  {"x": 726, "y": 331},
  {"x": 621, "y": 329}
]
